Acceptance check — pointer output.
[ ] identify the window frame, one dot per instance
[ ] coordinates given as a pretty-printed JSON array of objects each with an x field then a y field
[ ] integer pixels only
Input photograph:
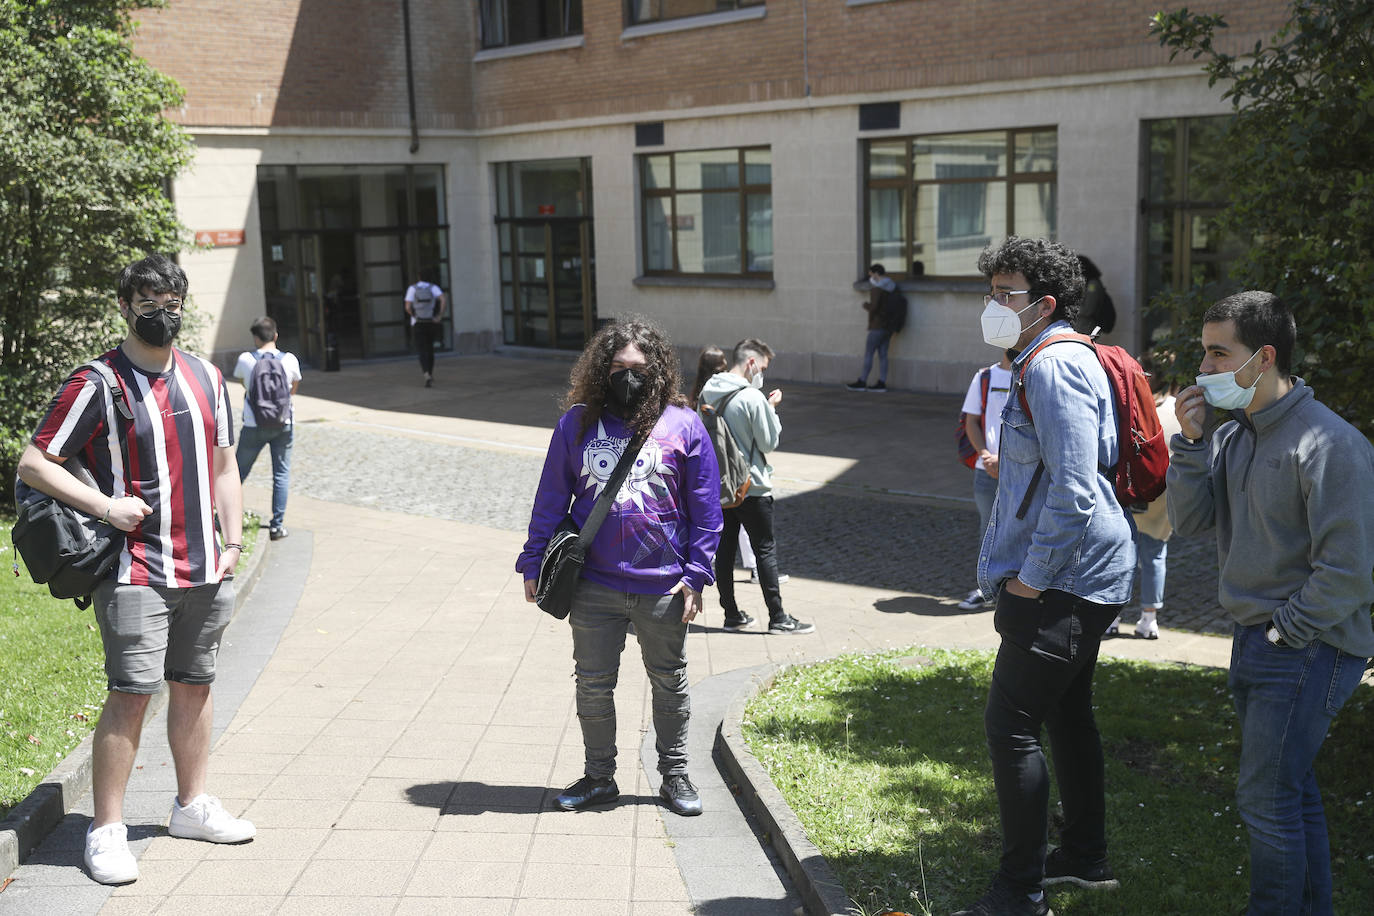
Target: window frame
[
  {"x": 564, "y": 30},
  {"x": 909, "y": 186},
  {"x": 742, "y": 192},
  {"x": 628, "y": 7}
]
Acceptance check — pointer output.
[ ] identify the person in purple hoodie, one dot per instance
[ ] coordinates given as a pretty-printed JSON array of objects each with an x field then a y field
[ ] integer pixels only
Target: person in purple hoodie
[{"x": 651, "y": 558}]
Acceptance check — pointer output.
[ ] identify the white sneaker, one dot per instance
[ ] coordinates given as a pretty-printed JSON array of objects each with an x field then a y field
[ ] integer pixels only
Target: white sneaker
[
  {"x": 754, "y": 577},
  {"x": 107, "y": 855},
  {"x": 205, "y": 819},
  {"x": 1115, "y": 628},
  {"x": 1147, "y": 627},
  {"x": 974, "y": 602}
]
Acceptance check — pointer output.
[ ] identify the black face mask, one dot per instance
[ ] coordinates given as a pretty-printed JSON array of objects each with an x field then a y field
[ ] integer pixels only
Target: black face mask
[
  {"x": 625, "y": 390},
  {"x": 158, "y": 329}
]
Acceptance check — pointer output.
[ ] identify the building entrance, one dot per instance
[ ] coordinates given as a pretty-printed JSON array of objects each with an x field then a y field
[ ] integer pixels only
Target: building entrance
[
  {"x": 544, "y": 232},
  {"x": 340, "y": 246}
]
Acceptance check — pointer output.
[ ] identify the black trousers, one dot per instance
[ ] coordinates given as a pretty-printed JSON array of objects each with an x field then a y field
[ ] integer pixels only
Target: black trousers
[
  {"x": 427, "y": 334},
  {"x": 756, "y": 515},
  {"x": 1043, "y": 677}
]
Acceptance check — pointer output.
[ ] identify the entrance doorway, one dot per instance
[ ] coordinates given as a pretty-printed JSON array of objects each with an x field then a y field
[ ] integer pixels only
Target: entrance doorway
[
  {"x": 544, "y": 233},
  {"x": 340, "y": 246}
]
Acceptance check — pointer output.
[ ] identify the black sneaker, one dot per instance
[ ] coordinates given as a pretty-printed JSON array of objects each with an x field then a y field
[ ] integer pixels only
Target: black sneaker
[
  {"x": 879, "y": 388},
  {"x": 277, "y": 534},
  {"x": 680, "y": 795},
  {"x": 790, "y": 625},
  {"x": 859, "y": 385},
  {"x": 1061, "y": 868},
  {"x": 1002, "y": 901},
  {"x": 586, "y": 792},
  {"x": 737, "y": 623}
]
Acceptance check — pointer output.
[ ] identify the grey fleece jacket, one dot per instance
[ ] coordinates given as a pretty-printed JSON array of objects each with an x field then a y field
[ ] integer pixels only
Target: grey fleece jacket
[
  {"x": 1291, "y": 496},
  {"x": 752, "y": 421}
]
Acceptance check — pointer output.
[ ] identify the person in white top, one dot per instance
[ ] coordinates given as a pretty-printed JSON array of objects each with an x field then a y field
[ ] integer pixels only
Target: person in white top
[
  {"x": 273, "y": 428},
  {"x": 425, "y": 306},
  {"x": 984, "y": 434}
]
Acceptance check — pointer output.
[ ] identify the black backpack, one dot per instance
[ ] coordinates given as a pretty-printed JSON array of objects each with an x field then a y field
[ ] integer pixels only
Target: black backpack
[
  {"x": 733, "y": 462},
  {"x": 70, "y": 551},
  {"x": 269, "y": 391},
  {"x": 894, "y": 311}
]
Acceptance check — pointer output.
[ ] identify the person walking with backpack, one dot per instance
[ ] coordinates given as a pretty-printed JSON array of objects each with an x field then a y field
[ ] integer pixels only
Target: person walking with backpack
[
  {"x": 1059, "y": 556},
  {"x": 424, "y": 303},
  {"x": 753, "y": 422},
  {"x": 164, "y": 474},
  {"x": 270, "y": 379},
  {"x": 886, "y": 308},
  {"x": 648, "y": 564}
]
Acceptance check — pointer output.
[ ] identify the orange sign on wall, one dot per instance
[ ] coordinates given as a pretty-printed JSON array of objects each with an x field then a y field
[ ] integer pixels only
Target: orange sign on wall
[{"x": 220, "y": 238}]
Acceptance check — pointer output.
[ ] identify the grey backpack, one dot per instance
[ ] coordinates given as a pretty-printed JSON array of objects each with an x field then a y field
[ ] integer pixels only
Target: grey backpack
[{"x": 733, "y": 462}]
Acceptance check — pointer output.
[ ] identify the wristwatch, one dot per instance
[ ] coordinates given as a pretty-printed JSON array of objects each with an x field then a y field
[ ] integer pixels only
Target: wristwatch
[{"x": 1272, "y": 634}]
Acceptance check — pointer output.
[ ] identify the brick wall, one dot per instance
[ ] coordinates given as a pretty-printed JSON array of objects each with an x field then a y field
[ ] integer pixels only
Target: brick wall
[{"x": 341, "y": 63}]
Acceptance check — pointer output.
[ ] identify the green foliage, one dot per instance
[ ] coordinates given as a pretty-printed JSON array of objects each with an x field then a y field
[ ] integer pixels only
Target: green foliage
[
  {"x": 84, "y": 171},
  {"x": 884, "y": 760},
  {"x": 1299, "y": 161}
]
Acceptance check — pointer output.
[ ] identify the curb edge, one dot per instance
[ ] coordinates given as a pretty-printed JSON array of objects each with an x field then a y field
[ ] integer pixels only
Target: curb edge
[{"x": 821, "y": 892}]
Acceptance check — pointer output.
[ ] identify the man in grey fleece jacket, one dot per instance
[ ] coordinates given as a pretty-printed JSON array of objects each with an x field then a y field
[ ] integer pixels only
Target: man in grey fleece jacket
[{"x": 1289, "y": 487}]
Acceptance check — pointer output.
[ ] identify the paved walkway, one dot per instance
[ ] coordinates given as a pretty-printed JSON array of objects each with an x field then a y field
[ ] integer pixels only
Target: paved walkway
[{"x": 398, "y": 746}]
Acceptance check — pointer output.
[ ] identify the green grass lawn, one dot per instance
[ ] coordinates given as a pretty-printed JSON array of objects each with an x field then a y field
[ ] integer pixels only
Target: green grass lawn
[
  {"x": 885, "y": 762},
  {"x": 52, "y": 675}
]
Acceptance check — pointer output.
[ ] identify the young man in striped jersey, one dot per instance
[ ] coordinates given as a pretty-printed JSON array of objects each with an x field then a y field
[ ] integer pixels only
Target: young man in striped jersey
[{"x": 162, "y": 477}]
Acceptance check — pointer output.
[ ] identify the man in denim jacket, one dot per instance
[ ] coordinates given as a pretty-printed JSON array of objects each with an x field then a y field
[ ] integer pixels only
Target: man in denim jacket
[{"x": 1059, "y": 555}]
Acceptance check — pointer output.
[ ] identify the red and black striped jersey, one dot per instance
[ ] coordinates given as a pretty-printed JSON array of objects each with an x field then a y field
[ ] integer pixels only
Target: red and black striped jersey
[{"x": 164, "y": 456}]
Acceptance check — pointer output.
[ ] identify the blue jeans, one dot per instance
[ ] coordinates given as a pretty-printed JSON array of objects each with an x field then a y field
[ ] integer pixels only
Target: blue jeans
[
  {"x": 984, "y": 493},
  {"x": 877, "y": 342},
  {"x": 1285, "y": 701},
  {"x": 1152, "y": 558},
  {"x": 600, "y": 619},
  {"x": 251, "y": 441}
]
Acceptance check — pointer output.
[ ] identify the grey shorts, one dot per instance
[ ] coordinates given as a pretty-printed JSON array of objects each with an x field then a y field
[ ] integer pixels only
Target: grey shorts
[{"x": 153, "y": 634}]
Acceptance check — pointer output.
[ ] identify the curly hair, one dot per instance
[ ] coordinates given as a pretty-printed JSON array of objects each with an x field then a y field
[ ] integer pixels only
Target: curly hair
[
  {"x": 1050, "y": 269},
  {"x": 590, "y": 378}
]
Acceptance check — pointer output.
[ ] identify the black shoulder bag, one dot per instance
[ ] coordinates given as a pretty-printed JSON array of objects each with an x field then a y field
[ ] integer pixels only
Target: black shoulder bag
[
  {"x": 566, "y": 551},
  {"x": 64, "y": 547}
]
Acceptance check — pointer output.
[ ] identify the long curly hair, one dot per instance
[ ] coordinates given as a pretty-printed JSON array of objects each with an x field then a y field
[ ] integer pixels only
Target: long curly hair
[
  {"x": 590, "y": 379},
  {"x": 1049, "y": 267}
]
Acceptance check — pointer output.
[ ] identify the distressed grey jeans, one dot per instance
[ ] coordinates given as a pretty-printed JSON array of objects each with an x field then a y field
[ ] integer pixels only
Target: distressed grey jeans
[{"x": 600, "y": 618}]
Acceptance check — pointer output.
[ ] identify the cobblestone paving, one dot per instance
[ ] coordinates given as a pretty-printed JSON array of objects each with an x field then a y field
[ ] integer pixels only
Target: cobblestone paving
[{"x": 888, "y": 542}]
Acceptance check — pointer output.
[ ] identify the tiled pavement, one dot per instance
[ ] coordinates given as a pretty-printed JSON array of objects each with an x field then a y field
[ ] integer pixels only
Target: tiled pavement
[{"x": 398, "y": 749}]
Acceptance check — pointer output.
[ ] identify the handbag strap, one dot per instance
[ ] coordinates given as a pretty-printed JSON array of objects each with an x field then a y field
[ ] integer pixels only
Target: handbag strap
[{"x": 603, "y": 502}]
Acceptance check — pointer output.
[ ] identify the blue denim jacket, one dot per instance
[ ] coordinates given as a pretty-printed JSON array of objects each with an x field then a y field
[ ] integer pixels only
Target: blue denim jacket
[{"x": 1075, "y": 536}]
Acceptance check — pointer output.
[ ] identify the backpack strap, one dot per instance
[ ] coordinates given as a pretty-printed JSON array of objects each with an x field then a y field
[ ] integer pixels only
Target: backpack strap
[
  {"x": 719, "y": 408},
  {"x": 984, "y": 383},
  {"x": 115, "y": 386}
]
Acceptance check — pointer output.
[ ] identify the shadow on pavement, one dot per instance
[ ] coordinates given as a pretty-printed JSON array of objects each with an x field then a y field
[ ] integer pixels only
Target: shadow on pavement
[{"x": 923, "y": 607}]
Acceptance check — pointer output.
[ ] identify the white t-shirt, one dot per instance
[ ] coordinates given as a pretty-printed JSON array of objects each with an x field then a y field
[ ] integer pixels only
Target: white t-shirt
[
  {"x": 999, "y": 389},
  {"x": 244, "y": 368},
  {"x": 434, "y": 291}
]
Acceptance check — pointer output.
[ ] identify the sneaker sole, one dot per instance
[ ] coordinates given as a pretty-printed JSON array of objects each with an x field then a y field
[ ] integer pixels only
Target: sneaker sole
[
  {"x": 182, "y": 834},
  {"x": 112, "y": 880},
  {"x": 737, "y": 626},
  {"x": 680, "y": 812},
  {"x": 603, "y": 800},
  {"x": 773, "y": 632}
]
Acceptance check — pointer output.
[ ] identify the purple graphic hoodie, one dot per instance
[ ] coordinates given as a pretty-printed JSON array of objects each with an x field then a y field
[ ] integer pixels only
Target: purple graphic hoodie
[{"x": 664, "y": 524}]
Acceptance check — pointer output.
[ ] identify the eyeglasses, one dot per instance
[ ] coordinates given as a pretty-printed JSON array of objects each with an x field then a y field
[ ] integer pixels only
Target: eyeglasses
[
  {"x": 1002, "y": 297},
  {"x": 146, "y": 308}
]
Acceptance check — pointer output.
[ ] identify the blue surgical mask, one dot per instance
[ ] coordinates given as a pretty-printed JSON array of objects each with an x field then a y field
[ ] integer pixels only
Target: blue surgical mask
[{"x": 1223, "y": 392}]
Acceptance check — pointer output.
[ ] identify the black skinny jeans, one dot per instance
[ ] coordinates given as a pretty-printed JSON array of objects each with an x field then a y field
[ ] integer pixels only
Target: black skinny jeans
[
  {"x": 426, "y": 334},
  {"x": 1044, "y": 677},
  {"x": 756, "y": 515}
]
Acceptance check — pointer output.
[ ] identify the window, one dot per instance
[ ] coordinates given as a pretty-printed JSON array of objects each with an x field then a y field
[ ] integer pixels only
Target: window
[
  {"x": 518, "y": 22},
  {"x": 932, "y": 204},
  {"x": 1183, "y": 195},
  {"x": 708, "y": 212},
  {"x": 639, "y": 11}
]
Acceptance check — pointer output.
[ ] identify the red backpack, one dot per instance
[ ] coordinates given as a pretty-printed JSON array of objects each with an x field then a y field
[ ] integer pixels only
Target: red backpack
[
  {"x": 967, "y": 453},
  {"x": 1143, "y": 452}
]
